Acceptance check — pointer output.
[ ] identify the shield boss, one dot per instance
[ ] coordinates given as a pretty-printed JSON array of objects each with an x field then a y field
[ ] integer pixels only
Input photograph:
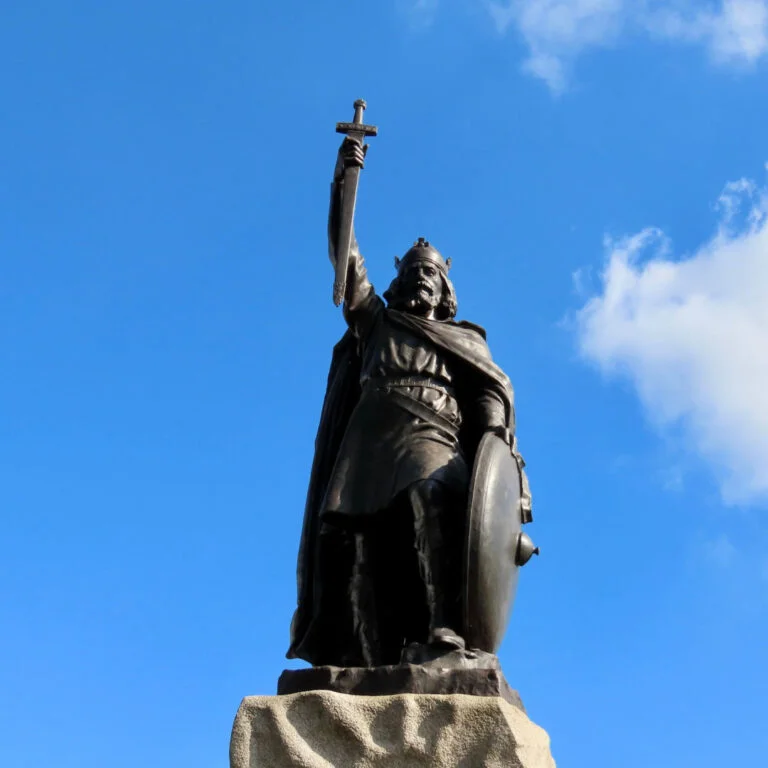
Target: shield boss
[{"x": 494, "y": 525}]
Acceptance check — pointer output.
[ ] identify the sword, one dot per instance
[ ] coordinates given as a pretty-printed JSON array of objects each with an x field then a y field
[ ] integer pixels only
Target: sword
[{"x": 358, "y": 131}]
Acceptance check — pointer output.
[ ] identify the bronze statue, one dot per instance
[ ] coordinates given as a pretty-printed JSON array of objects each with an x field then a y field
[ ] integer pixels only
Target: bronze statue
[{"x": 412, "y": 530}]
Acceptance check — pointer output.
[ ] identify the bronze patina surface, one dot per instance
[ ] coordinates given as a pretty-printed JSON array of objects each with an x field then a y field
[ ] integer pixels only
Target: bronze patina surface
[{"x": 412, "y": 538}]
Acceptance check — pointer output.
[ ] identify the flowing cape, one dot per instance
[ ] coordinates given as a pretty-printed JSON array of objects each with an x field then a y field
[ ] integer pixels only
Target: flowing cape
[{"x": 463, "y": 340}]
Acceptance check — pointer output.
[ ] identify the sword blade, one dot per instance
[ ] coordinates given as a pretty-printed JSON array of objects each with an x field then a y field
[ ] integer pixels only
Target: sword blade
[{"x": 344, "y": 245}]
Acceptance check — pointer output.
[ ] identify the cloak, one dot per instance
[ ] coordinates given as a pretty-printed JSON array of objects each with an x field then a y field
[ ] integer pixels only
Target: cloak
[{"x": 462, "y": 340}]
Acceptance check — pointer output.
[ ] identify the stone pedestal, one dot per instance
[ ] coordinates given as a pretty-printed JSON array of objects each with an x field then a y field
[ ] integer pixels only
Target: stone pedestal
[{"x": 327, "y": 729}]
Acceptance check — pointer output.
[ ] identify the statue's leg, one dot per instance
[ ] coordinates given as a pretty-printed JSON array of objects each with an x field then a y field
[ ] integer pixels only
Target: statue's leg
[
  {"x": 430, "y": 502},
  {"x": 335, "y": 640},
  {"x": 363, "y": 599}
]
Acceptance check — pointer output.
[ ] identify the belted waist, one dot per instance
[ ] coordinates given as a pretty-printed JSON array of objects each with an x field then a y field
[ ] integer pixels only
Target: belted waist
[{"x": 381, "y": 382}]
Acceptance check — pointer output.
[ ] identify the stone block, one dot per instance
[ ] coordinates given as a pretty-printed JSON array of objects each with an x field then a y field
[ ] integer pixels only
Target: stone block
[{"x": 326, "y": 729}]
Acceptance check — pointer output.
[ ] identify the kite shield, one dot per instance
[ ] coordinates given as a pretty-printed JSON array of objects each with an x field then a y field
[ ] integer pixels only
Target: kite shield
[{"x": 493, "y": 537}]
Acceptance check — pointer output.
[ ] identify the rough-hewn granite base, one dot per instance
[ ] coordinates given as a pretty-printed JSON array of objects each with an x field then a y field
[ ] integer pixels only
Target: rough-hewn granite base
[{"x": 324, "y": 729}]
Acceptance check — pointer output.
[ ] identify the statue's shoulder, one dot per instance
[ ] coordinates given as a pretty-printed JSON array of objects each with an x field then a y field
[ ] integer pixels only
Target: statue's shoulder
[{"x": 478, "y": 329}]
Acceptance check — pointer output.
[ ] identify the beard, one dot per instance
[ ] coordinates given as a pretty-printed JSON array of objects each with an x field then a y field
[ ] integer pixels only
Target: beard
[{"x": 421, "y": 300}]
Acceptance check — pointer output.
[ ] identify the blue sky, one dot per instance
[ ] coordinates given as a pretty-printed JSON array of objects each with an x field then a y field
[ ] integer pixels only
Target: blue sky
[{"x": 596, "y": 171}]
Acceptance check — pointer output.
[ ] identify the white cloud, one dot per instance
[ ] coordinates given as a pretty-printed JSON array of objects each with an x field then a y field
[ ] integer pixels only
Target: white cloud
[
  {"x": 557, "y": 31},
  {"x": 735, "y": 30},
  {"x": 691, "y": 335}
]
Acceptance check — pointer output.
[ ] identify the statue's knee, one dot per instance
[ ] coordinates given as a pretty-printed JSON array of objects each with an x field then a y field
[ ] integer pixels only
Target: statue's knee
[{"x": 427, "y": 488}]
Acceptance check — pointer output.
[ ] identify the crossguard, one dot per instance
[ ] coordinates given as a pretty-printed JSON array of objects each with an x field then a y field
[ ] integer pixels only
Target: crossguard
[{"x": 357, "y": 129}]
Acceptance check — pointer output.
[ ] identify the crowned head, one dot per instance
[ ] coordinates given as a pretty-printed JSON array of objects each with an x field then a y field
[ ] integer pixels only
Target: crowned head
[{"x": 421, "y": 286}]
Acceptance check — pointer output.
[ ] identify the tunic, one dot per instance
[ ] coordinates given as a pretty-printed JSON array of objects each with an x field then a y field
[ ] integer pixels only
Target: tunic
[{"x": 390, "y": 442}]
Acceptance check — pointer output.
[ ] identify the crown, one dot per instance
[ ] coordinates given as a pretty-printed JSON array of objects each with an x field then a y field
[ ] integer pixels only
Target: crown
[{"x": 423, "y": 251}]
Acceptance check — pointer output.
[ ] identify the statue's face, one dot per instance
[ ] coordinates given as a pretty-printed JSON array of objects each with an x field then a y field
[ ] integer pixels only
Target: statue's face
[{"x": 422, "y": 288}]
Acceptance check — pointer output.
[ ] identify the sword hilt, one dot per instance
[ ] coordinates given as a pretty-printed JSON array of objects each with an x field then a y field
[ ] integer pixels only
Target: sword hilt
[{"x": 357, "y": 129}]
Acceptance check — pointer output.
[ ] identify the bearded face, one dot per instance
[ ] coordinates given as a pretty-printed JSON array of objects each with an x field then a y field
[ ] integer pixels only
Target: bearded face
[{"x": 421, "y": 288}]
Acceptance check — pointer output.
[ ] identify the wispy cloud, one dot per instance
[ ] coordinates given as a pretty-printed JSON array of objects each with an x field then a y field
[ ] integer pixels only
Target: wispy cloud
[
  {"x": 691, "y": 335},
  {"x": 558, "y": 31}
]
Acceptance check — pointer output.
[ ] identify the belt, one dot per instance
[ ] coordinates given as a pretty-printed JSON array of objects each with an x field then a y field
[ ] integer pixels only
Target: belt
[
  {"x": 415, "y": 407},
  {"x": 411, "y": 381}
]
